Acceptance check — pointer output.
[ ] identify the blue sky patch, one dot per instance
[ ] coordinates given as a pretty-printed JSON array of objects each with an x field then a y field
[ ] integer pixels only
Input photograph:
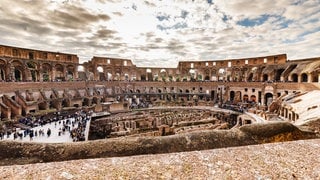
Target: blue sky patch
[{"x": 253, "y": 22}]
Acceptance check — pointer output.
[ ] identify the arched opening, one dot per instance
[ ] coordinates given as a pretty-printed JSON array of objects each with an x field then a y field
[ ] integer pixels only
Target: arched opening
[
  {"x": 294, "y": 78},
  {"x": 85, "y": 102},
  {"x": 268, "y": 99},
  {"x": 222, "y": 73},
  {"x": 163, "y": 75},
  {"x": 17, "y": 75},
  {"x": 101, "y": 73},
  {"x": 245, "y": 98},
  {"x": 65, "y": 103},
  {"x": 117, "y": 77},
  {"x": 2, "y": 70},
  {"x": 265, "y": 77},
  {"x": 278, "y": 74},
  {"x": 59, "y": 72},
  {"x": 212, "y": 95},
  {"x": 236, "y": 75},
  {"x": 149, "y": 75},
  {"x": 70, "y": 72},
  {"x": 46, "y": 71},
  {"x": 126, "y": 77},
  {"x": 69, "y": 75},
  {"x": 143, "y": 77},
  {"x": 304, "y": 77},
  {"x": 2, "y": 75},
  {"x": 232, "y": 95},
  {"x": 95, "y": 100},
  {"x": 253, "y": 98},
  {"x": 192, "y": 74},
  {"x": 33, "y": 70},
  {"x": 250, "y": 77},
  {"x": 207, "y": 78}
]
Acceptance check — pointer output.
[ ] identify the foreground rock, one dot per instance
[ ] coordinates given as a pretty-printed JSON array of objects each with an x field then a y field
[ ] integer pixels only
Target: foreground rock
[
  {"x": 285, "y": 160},
  {"x": 23, "y": 153}
]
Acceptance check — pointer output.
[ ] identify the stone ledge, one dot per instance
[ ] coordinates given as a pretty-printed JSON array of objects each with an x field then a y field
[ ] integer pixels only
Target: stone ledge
[
  {"x": 285, "y": 160},
  {"x": 12, "y": 152}
]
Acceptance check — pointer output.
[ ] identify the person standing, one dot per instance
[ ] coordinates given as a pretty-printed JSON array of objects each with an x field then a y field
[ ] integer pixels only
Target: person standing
[{"x": 49, "y": 132}]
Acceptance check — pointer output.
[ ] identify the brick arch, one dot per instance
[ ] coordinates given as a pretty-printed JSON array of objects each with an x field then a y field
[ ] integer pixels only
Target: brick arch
[
  {"x": 304, "y": 77},
  {"x": 18, "y": 69},
  {"x": 3, "y": 70},
  {"x": 59, "y": 72},
  {"x": 32, "y": 70},
  {"x": 70, "y": 70},
  {"x": 46, "y": 72}
]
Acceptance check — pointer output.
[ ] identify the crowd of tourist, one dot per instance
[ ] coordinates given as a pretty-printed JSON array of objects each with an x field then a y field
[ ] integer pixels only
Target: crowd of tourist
[{"x": 72, "y": 123}]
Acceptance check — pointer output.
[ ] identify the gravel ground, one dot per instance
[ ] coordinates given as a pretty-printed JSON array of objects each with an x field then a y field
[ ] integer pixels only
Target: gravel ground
[{"x": 288, "y": 160}]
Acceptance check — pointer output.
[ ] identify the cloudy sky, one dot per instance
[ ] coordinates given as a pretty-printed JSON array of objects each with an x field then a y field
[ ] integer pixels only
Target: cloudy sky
[{"x": 163, "y": 32}]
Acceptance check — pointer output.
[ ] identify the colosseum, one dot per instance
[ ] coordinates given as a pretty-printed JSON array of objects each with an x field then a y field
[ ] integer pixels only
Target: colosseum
[{"x": 147, "y": 110}]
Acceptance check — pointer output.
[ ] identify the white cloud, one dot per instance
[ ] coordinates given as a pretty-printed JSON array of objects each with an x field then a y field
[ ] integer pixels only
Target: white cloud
[{"x": 161, "y": 33}]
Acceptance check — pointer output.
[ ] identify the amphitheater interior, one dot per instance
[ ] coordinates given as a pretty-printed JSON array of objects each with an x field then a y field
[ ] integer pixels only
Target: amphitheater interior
[{"x": 199, "y": 107}]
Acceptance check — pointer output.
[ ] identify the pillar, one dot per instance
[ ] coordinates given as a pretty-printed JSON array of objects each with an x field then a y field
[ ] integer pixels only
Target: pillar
[{"x": 309, "y": 78}]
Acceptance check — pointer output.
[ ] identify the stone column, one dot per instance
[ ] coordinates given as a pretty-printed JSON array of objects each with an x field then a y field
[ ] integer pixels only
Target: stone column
[
  {"x": 53, "y": 74},
  {"x": 309, "y": 78},
  {"x": 40, "y": 73}
]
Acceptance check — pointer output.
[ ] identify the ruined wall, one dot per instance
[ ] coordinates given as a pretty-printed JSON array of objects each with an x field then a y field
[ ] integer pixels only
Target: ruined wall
[{"x": 23, "y": 153}]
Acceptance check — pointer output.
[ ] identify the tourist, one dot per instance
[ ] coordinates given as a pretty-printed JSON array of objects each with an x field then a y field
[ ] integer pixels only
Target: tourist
[{"x": 48, "y": 132}]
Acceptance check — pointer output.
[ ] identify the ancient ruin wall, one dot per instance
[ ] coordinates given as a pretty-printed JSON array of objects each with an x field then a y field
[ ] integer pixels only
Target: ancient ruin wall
[{"x": 23, "y": 153}]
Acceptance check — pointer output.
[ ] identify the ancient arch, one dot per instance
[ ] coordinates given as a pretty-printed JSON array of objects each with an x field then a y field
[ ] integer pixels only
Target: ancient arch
[
  {"x": 59, "y": 72},
  {"x": 214, "y": 75},
  {"x": 294, "y": 77},
  {"x": 250, "y": 77},
  {"x": 101, "y": 73},
  {"x": 253, "y": 98},
  {"x": 117, "y": 77},
  {"x": 221, "y": 75},
  {"x": 2, "y": 70},
  {"x": 46, "y": 72},
  {"x": 265, "y": 77},
  {"x": 32, "y": 67},
  {"x": 126, "y": 76},
  {"x": 232, "y": 95},
  {"x": 268, "y": 97},
  {"x": 143, "y": 77},
  {"x": 192, "y": 75},
  {"x": 90, "y": 73},
  {"x": 148, "y": 75},
  {"x": 18, "y": 71},
  {"x": 163, "y": 75},
  {"x": 236, "y": 75},
  {"x": 245, "y": 98},
  {"x": 109, "y": 76},
  {"x": 278, "y": 74},
  {"x": 70, "y": 72},
  {"x": 304, "y": 77}
]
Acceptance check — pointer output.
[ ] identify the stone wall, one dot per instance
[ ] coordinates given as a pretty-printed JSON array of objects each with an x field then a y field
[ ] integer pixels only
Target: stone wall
[{"x": 23, "y": 153}]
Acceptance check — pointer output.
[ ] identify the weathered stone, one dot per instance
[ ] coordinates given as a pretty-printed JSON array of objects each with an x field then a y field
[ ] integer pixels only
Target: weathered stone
[{"x": 12, "y": 152}]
